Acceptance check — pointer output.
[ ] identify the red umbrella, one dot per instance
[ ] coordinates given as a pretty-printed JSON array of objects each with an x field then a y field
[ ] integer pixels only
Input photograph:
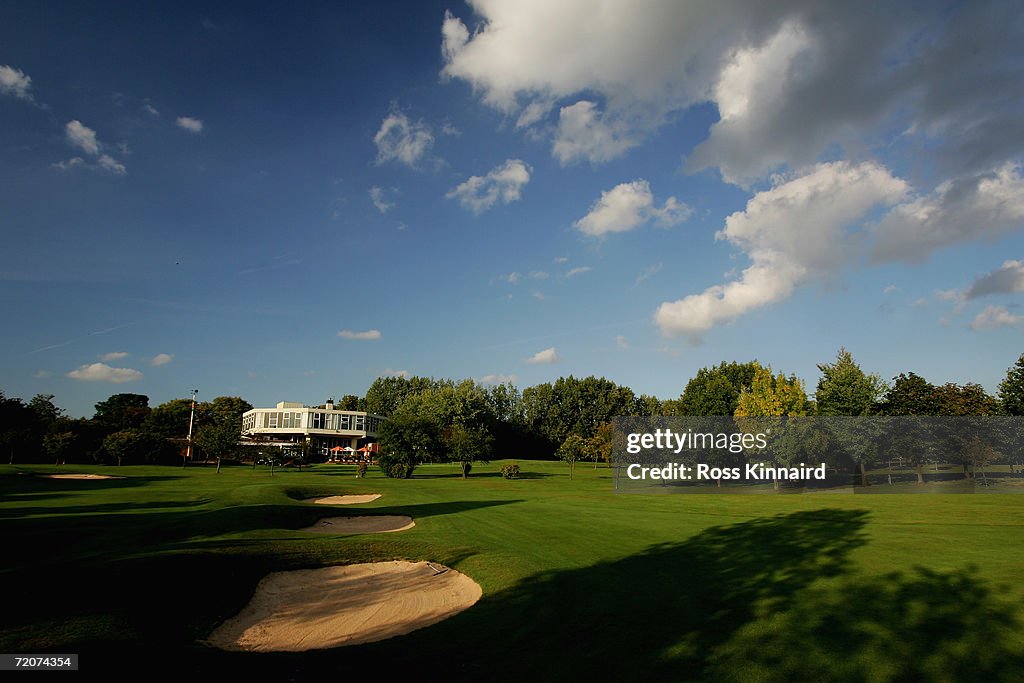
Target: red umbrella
[{"x": 337, "y": 449}]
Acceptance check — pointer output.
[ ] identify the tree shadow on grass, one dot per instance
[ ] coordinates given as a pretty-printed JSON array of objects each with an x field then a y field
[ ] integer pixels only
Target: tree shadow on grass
[{"x": 772, "y": 599}]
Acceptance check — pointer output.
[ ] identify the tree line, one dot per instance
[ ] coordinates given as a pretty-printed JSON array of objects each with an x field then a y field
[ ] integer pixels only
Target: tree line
[
  {"x": 432, "y": 420},
  {"x": 123, "y": 430}
]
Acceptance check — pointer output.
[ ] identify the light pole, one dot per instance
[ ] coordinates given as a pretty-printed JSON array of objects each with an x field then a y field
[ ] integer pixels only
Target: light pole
[{"x": 191, "y": 421}]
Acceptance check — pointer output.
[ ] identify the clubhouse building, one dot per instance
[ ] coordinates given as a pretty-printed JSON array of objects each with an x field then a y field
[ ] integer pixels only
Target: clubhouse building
[{"x": 339, "y": 434}]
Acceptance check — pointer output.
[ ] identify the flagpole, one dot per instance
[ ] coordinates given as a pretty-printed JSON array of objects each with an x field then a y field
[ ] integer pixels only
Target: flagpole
[{"x": 191, "y": 421}]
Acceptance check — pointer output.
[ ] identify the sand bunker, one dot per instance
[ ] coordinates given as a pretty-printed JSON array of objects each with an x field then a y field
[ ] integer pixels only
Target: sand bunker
[
  {"x": 312, "y": 609},
  {"x": 79, "y": 476},
  {"x": 344, "y": 500},
  {"x": 369, "y": 524}
]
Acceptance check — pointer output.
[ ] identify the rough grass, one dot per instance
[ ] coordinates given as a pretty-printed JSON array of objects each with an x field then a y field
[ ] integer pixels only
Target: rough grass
[{"x": 578, "y": 581}]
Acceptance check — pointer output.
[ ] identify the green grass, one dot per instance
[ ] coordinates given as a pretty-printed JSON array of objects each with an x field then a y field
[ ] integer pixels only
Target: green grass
[{"x": 578, "y": 581}]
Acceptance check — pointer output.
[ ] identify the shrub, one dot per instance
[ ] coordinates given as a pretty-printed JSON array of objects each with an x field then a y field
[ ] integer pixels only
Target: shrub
[{"x": 510, "y": 471}]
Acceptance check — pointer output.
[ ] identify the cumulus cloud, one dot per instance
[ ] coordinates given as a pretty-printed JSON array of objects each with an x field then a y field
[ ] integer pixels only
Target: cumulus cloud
[
  {"x": 161, "y": 359},
  {"x": 545, "y": 357},
  {"x": 996, "y": 316},
  {"x": 190, "y": 124},
  {"x": 377, "y": 197},
  {"x": 628, "y": 206},
  {"x": 513, "y": 278},
  {"x": 792, "y": 233},
  {"x": 983, "y": 206},
  {"x": 101, "y": 372},
  {"x": 502, "y": 183},
  {"x": 791, "y": 80},
  {"x": 113, "y": 355},
  {"x": 388, "y": 372},
  {"x": 82, "y": 137},
  {"x": 367, "y": 335},
  {"x": 15, "y": 82},
  {"x": 401, "y": 140},
  {"x": 1006, "y": 279},
  {"x": 585, "y": 134},
  {"x": 108, "y": 163}
]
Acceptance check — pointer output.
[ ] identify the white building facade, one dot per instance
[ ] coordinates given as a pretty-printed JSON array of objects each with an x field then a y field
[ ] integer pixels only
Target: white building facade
[{"x": 326, "y": 427}]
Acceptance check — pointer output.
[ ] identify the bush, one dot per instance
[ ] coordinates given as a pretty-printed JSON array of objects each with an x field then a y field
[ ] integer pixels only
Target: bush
[
  {"x": 396, "y": 467},
  {"x": 361, "y": 470},
  {"x": 510, "y": 471}
]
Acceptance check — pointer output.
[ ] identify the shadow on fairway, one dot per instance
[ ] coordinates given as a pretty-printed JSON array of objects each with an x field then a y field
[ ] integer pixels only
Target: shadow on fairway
[
  {"x": 771, "y": 599},
  {"x": 42, "y": 486},
  {"x": 98, "y": 509},
  {"x": 732, "y": 603}
]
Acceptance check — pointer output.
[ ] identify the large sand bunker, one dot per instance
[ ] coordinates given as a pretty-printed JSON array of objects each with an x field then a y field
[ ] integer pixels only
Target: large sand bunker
[
  {"x": 369, "y": 524},
  {"x": 312, "y": 609},
  {"x": 344, "y": 500},
  {"x": 79, "y": 476}
]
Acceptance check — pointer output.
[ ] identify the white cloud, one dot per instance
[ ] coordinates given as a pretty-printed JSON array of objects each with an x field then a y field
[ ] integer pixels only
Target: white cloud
[
  {"x": 579, "y": 270},
  {"x": 890, "y": 289},
  {"x": 367, "y": 335},
  {"x": 190, "y": 124},
  {"x": 82, "y": 137},
  {"x": 502, "y": 183},
  {"x": 107, "y": 163},
  {"x": 68, "y": 164},
  {"x": 621, "y": 342},
  {"x": 377, "y": 197},
  {"x": 15, "y": 82},
  {"x": 150, "y": 109},
  {"x": 539, "y": 296},
  {"x": 513, "y": 278},
  {"x": 628, "y": 206},
  {"x": 547, "y": 356},
  {"x": 791, "y": 80},
  {"x": 450, "y": 130},
  {"x": 388, "y": 372},
  {"x": 649, "y": 272},
  {"x": 113, "y": 355},
  {"x": 161, "y": 359},
  {"x": 101, "y": 372},
  {"x": 1009, "y": 278},
  {"x": 982, "y": 206},
  {"x": 401, "y": 140},
  {"x": 996, "y": 316},
  {"x": 498, "y": 379},
  {"x": 560, "y": 259},
  {"x": 538, "y": 275},
  {"x": 793, "y": 232},
  {"x": 584, "y": 133}
]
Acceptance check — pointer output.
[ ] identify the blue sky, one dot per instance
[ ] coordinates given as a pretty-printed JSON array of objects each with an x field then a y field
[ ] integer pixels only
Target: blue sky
[{"x": 285, "y": 202}]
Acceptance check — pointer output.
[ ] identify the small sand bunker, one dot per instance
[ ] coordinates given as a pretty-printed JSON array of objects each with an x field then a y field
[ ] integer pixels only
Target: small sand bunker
[
  {"x": 369, "y": 524},
  {"x": 79, "y": 476},
  {"x": 344, "y": 500},
  {"x": 313, "y": 609}
]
